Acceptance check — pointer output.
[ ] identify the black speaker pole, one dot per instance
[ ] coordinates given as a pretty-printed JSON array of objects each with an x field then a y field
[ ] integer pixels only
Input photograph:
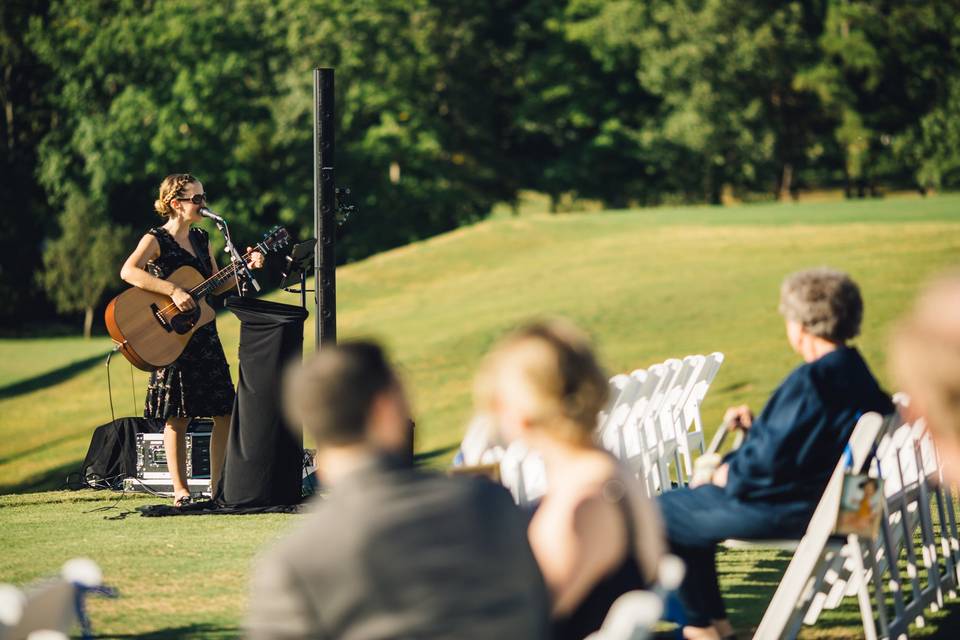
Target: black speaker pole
[{"x": 324, "y": 207}]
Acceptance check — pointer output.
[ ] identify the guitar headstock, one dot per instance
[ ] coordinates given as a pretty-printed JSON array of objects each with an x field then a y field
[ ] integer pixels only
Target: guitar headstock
[{"x": 274, "y": 240}]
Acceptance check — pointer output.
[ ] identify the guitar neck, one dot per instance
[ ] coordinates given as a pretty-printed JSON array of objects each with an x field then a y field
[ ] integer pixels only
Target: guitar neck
[{"x": 221, "y": 280}]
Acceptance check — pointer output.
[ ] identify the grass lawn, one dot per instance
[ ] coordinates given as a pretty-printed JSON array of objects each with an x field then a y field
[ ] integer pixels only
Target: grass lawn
[{"x": 647, "y": 284}]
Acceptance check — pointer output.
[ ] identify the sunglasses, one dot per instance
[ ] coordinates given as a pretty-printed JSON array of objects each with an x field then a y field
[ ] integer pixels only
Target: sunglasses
[{"x": 197, "y": 198}]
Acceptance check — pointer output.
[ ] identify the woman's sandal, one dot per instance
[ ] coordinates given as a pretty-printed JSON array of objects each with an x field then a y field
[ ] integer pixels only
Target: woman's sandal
[{"x": 182, "y": 501}]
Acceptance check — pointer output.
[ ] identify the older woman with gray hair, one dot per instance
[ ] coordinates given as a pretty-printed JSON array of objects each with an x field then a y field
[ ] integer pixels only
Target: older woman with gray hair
[{"x": 770, "y": 486}]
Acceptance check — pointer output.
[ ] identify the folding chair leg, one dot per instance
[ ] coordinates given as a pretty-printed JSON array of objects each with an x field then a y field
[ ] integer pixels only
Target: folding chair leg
[
  {"x": 863, "y": 593},
  {"x": 878, "y": 590}
]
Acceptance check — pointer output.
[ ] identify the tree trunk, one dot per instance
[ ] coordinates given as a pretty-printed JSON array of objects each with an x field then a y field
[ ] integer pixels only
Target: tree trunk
[
  {"x": 88, "y": 323},
  {"x": 786, "y": 182}
]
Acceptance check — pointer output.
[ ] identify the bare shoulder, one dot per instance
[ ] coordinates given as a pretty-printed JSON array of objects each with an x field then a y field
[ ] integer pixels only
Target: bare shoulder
[
  {"x": 149, "y": 245},
  {"x": 596, "y": 511}
]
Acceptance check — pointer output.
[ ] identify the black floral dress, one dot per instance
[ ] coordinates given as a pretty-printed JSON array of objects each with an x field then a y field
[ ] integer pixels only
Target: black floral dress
[{"x": 198, "y": 384}]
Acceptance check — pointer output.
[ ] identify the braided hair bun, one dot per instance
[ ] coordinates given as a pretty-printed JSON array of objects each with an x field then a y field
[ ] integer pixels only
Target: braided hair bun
[{"x": 172, "y": 187}]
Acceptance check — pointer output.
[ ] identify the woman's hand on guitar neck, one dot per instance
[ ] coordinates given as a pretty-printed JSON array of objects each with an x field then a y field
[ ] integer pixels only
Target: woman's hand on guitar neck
[
  {"x": 254, "y": 258},
  {"x": 182, "y": 299}
]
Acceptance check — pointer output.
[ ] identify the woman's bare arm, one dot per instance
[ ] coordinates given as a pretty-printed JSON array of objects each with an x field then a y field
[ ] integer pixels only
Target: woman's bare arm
[{"x": 133, "y": 272}]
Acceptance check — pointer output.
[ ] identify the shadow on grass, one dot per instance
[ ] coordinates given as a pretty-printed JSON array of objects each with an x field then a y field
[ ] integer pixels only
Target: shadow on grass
[
  {"x": 50, "y": 378},
  {"x": 40, "y": 447},
  {"x": 948, "y": 627},
  {"x": 747, "y": 601},
  {"x": 188, "y": 631},
  {"x": 49, "y": 480}
]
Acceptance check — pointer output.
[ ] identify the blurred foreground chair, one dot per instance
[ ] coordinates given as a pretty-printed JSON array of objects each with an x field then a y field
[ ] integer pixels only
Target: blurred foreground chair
[
  {"x": 634, "y": 614},
  {"x": 51, "y": 608}
]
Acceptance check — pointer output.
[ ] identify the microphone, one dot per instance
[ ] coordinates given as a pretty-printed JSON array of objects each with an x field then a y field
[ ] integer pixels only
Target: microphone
[
  {"x": 234, "y": 254},
  {"x": 206, "y": 213}
]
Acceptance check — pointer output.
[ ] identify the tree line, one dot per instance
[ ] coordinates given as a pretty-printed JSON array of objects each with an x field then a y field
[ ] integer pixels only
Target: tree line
[{"x": 444, "y": 108}]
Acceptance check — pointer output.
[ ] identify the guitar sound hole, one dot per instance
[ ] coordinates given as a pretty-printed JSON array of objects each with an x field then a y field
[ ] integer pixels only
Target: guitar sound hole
[{"x": 185, "y": 320}]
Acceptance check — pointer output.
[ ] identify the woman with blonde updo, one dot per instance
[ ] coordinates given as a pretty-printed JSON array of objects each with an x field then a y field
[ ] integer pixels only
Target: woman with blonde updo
[
  {"x": 198, "y": 384},
  {"x": 595, "y": 534}
]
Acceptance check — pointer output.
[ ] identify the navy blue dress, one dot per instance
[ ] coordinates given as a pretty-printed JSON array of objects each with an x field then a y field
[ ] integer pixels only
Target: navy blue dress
[
  {"x": 198, "y": 383},
  {"x": 776, "y": 478}
]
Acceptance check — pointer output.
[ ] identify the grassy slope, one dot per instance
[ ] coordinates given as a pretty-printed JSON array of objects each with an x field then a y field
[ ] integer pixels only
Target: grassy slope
[{"x": 648, "y": 285}]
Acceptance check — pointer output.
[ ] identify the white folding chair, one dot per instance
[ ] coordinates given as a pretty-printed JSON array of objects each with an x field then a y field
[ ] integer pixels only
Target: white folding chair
[
  {"x": 632, "y": 616},
  {"x": 610, "y": 435},
  {"x": 49, "y": 607},
  {"x": 690, "y": 418},
  {"x": 670, "y": 414},
  {"x": 616, "y": 386},
  {"x": 639, "y": 450},
  {"x": 478, "y": 442},
  {"x": 522, "y": 472},
  {"x": 661, "y": 446},
  {"x": 807, "y": 573},
  {"x": 912, "y": 475}
]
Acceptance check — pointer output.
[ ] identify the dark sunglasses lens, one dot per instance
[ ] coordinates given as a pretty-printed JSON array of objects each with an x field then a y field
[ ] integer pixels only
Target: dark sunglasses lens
[{"x": 199, "y": 198}]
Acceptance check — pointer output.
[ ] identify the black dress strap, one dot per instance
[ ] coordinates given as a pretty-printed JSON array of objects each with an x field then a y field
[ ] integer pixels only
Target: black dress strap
[
  {"x": 163, "y": 238},
  {"x": 626, "y": 576},
  {"x": 200, "y": 242}
]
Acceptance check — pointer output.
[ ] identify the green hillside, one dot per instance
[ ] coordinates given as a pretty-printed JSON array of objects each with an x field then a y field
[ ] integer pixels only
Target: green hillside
[{"x": 646, "y": 284}]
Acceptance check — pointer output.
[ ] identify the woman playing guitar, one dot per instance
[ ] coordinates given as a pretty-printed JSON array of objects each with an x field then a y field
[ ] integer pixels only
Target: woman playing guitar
[{"x": 198, "y": 383}]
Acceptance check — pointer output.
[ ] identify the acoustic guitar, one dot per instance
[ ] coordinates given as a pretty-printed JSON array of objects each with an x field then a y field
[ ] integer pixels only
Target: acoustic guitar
[{"x": 151, "y": 331}]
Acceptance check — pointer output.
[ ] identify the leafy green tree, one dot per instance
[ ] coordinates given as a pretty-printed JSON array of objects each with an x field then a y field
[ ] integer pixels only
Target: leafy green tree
[
  {"x": 721, "y": 71},
  {"x": 934, "y": 144},
  {"x": 83, "y": 262},
  {"x": 24, "y": 119},
  {"x": 144, "y": 89},
  {"x": 446, "y": 107},
  {"x": 418, "y": 120},
  {"x": 882, "y": 68}
]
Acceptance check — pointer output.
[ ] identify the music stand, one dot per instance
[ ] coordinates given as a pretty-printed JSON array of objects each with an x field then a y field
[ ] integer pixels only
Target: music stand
[{"x": 299, "y": 262}]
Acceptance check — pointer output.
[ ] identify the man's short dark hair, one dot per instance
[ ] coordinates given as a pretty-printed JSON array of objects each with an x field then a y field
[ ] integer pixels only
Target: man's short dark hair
[{"x": 332, "y": 393}]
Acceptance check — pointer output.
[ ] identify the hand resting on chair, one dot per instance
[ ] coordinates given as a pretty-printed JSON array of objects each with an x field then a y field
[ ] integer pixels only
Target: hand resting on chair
[{"x": 709, "y": 468}]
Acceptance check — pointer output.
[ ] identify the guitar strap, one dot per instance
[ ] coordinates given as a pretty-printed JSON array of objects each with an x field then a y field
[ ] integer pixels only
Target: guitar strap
[{"x": 200, "y": 249}]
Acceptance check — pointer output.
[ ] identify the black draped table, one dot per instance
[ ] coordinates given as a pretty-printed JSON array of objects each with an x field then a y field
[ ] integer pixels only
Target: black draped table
[
  {"x": 263, "y": 470},
  {"x": 264, "y": 461}
]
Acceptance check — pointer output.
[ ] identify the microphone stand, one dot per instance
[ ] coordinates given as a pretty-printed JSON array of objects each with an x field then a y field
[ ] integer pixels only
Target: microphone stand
[{"x": 236, "y": 257}]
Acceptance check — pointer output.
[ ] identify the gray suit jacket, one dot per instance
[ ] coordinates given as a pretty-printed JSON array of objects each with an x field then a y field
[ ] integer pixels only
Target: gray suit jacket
[{"x": 394, "y": 552}]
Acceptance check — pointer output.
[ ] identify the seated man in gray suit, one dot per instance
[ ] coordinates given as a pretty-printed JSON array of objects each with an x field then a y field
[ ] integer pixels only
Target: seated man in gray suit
[{"x": 391, "y": 551}]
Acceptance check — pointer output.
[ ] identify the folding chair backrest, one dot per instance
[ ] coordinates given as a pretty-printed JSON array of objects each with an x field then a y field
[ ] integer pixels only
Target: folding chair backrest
[
  {"x": 522, "y": 472},
  {"x": 681, "y": 387},
  {"x": 908, "y": 535},
  {"x": 672, "y": 417},
  {"x": 672, "y": 369},
  {"x": 691, "y": 409},
  {"x": 651, "y": 378},
  {"x": 510, "y": 472},
  {"x": 616, "y": 386},
  {"x": 609, "y": 437},
  {"x": 534, "y": 473},
  {"x": 621, "y": 440},
  {"x": 478, "y": 439},
  {"x": 785, "y": 613}
]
